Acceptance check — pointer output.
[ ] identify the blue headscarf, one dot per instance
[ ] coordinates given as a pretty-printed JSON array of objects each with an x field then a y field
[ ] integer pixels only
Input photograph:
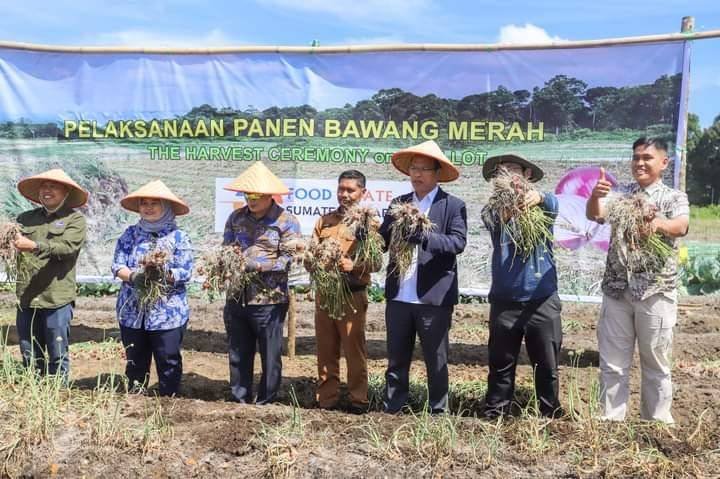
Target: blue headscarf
[{"x": 166, "y": 221}]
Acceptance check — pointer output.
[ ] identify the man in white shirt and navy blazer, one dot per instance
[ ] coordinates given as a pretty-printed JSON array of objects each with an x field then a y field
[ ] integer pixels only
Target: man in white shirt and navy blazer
[{"x": 421, "y": 301}]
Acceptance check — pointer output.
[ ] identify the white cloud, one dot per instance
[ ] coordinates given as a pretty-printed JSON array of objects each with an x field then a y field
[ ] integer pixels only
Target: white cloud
[
  {"x": 357, "y": 11},
  {"x": 144, "y": 38},
  {"x": 525, "y": 34}
]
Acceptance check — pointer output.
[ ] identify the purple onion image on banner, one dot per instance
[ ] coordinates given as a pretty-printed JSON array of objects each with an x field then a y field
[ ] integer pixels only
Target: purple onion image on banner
[{"x": 572, "y": 229}]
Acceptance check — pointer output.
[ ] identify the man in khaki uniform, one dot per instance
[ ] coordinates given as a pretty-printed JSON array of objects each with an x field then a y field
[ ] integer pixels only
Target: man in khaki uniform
[
  {"x": 50, "y": 243},
  {"x": 348, "y": 332},
  {"x": 640, "y": 305}
]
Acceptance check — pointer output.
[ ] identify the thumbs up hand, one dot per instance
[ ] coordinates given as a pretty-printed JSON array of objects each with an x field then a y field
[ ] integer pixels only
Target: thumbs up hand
[{"x": 602, "y": 187}]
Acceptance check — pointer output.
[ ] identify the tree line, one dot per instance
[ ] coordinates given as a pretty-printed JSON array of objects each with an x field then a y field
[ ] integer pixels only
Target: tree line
[
  {"x": 563, "y": 103},
  {"x": 703, "y": 162}
]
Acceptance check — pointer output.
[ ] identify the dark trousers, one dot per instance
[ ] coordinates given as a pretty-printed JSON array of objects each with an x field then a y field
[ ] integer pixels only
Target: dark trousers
[
  {"x": 432, "y": 323},
  {"x": 539, "y": 322},
  {"x": 142, "y": 345},
  {"x": 248, "y": 327},
  {"x": 44, "y": 335}
]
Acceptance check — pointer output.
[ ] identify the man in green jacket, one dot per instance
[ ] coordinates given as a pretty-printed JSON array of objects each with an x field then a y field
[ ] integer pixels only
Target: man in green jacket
[{"x": 49, "y": 243}]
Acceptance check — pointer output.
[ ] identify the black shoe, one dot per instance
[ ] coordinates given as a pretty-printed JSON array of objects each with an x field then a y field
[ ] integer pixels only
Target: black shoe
[
  {"x": 358, "y": 409},
  {"x": 493, "y": 413},
  {"x": 137, "y": 388},
  {"x": 334, "y": 407},
  {"x": 394, "y": 412},
  {"x": 557, "y": 413}
]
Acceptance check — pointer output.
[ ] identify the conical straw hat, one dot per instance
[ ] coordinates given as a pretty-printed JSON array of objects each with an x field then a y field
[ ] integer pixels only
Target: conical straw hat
[
  {"x": 258, "y": 179},
  {"x": 30, "y": 187},
  {"x": 156, "y": 190},
  {"x": 401, "y": 160}
]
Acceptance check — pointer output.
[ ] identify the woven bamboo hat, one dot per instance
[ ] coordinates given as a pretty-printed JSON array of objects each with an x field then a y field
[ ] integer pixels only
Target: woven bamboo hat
[
  {"x": 30, "y": 187},
  {"x": 155, "y": 190},
  {"x": 258, "y": 179},
  {"x": 401, "y": 160}
]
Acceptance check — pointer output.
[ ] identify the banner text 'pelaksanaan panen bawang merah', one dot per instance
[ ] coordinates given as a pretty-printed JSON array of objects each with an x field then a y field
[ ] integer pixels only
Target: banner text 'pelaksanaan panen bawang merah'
[{"x": 114, "y": 121}]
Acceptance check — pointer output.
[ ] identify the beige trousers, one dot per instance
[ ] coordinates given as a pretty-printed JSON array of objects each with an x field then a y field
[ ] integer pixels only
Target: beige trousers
[
  {"x": 349, "y": 333},
  {"x": 650, "y": 322}
]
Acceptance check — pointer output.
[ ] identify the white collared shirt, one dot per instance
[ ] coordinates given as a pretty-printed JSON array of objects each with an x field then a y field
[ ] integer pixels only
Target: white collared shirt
[{"x": 407, "y": 290}]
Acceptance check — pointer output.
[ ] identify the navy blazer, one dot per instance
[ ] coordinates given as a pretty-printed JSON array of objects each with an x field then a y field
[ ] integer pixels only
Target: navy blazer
[{"x": 437, "y": 282}]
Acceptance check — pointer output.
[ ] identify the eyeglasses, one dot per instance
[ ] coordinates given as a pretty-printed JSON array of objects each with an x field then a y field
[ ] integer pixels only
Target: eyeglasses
[
  {"x": 253, "y": 196},
  {"x": 421, "y": 169}
]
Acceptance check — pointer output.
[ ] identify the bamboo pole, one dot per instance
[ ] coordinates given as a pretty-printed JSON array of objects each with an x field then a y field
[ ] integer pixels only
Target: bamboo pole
[
  {"x": 401, "y": 47},
  {"x": 292, "y": 321},
  {"x": 686, "y": 27}
]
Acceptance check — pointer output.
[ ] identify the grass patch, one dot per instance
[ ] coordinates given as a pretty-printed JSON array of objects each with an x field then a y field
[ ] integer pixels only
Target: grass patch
[
  {"x": 98, "y": 290},
  {"x": 710, "y": 212},
  {"x": 579, "y": 445},
  {"x": 475, "y": 332},
  {"x": 36, "y": 413},
  {"x": 465, "y": 398},
  {"x": 279, "y": 443},
  {"x": 571, "y": 325},
  {"x": 704, "y": 223},
  {"x": 7, "y": 318},
  {"x": 36, "y": 410},
  {"x": 109, "y": 348}
]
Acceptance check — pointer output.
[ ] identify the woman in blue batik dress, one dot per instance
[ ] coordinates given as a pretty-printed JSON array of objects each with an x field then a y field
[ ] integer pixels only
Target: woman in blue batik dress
[{"x": 154, "y": 329}]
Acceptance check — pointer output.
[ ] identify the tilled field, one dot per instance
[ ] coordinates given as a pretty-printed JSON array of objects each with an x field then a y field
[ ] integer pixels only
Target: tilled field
[{"x": 96, "y": 432}]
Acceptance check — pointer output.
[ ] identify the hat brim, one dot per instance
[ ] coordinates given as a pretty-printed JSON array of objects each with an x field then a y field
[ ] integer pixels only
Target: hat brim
[
  {"x": 132, "y": 203},
  {"x": 491, "y": 164},
  {"x": 402, "y": 159},
  {"x": 30, "y": 189},
  {"x": 285, "y": 191},
  {"x": 258, "y": 179}
]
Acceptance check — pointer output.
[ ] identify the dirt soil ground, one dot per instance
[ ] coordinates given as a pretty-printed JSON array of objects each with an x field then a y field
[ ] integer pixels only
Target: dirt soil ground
[{"x": 212, "y": 437}]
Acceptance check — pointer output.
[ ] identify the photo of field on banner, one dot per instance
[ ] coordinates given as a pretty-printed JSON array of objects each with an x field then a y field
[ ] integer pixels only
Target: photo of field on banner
[{"x": 309, "y": 117}]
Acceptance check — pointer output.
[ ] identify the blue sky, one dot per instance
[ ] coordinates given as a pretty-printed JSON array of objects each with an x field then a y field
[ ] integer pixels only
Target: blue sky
[{"x": 332, "y": 22}]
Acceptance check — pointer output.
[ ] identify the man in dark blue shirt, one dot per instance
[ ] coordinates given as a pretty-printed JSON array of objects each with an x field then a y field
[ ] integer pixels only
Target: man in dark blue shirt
[{"x": 523, "y": 301}]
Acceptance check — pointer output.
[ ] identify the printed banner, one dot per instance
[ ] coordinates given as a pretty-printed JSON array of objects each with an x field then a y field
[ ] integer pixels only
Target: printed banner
[
  {"x": 115, "y": 121},
  {"x": 308, "y": 199}
]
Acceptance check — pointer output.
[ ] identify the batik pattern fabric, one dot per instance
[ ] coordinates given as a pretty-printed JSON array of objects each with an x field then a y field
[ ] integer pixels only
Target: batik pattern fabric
[
  {"x": 270, "y": 243},
  {"x": 671, "y": 203},
  {"x": 171, "y": 310}
]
